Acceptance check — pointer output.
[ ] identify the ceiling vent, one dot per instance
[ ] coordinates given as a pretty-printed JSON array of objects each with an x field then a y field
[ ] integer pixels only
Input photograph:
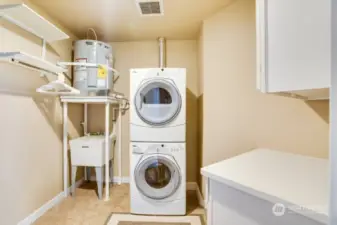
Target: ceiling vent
[{"x": 150, "y": 7}]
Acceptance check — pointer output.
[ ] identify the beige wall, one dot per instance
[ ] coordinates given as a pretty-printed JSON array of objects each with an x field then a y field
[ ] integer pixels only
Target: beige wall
[
  {"x": 143, "y": 55},
  {"x": 236, "y": 116},
  {"x": 226, "y": 115},
  {"x": 31, "y": 129}
]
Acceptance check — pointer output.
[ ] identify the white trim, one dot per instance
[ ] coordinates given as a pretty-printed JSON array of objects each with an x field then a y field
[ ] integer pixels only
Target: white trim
[
  {"x": 207, "y": 190},
  {"x": 42, "y": 210},
  {"x": 45, "y": 207},
  {"x": 117, "y": 180},
  {"x": 200, "y": 198},
  {"x": 209, "y": 211},
  {"x": 193, "y": 186}
]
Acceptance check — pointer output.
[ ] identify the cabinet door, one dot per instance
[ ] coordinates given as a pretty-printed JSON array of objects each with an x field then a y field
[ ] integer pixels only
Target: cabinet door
[{"x": 293, "y": 44}]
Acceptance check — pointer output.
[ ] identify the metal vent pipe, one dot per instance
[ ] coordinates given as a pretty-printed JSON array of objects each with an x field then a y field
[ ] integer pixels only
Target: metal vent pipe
[{"x": 162, "y": 52}]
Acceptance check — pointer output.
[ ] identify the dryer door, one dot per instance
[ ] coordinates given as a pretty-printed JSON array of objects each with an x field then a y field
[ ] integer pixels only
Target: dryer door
[
  {"x": 157, "y": 176},
  {"x": 158, "y": 101}
]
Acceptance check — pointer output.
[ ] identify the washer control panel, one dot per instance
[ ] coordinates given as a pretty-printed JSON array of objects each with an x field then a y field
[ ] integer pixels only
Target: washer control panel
[
  {"x": 176, "y": 149},
  {"x": 157, "y": 148},
  {"x": 137, "y": 150}
]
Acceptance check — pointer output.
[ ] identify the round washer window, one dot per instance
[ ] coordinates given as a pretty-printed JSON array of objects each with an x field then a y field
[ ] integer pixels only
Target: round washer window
[
  {"x": 157, "y": 177},
  {"x": 157, "y": 102}
]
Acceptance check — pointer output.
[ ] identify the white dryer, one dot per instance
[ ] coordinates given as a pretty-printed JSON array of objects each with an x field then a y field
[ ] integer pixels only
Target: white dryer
[
  {"x": 158, "y": 178},
  {"x": 158, "y": 105}
]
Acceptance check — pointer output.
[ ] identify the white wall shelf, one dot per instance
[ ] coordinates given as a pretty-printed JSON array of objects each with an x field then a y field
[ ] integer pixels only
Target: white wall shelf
[
  {"x": 28, "y": 19},
  {"x": 31, "y": 61},
  {"x": 56, "y": 88}
]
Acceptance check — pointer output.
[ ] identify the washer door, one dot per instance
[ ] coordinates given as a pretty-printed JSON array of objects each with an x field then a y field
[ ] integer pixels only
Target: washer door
[
  {"x": 158, "y": 101},
  {"x": 157, "y": 177}
]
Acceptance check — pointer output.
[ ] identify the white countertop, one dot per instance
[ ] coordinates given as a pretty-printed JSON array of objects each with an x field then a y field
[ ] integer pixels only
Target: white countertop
[{"x": 278, "y": 177}]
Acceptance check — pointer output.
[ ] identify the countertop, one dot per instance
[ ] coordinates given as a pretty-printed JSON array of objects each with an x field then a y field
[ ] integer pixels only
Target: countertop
[{"x": 299, "y": 182}]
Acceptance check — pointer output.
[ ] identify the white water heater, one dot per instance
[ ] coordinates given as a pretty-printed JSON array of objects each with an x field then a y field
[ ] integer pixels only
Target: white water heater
[{"x": 95, "y": 80}]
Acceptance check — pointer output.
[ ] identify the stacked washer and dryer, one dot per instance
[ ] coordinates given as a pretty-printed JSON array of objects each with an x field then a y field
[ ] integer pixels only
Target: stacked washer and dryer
[{"x": 158, "y": 141}]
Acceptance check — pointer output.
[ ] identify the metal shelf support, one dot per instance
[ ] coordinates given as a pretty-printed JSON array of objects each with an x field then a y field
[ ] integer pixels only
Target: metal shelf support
[{"x": 108, "y": 101}]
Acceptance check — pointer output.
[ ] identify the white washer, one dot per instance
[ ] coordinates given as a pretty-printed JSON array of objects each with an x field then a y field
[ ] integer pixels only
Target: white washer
[
  {"x": 158, "y": 178},
  {"x": 158, "y": 105}
]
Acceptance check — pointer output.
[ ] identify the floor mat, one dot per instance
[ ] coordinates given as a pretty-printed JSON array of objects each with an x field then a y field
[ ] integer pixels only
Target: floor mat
[
  {"x": 150, "y": 223},
  {"x": 128, "y": 219}
]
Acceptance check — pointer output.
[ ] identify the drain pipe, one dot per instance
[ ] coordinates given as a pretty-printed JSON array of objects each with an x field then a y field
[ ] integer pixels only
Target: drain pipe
[{"x": 162, "y": 52}]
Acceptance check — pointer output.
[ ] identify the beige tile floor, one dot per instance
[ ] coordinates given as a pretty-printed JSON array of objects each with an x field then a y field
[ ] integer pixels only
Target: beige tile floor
[{"x": 86, "y": 209}]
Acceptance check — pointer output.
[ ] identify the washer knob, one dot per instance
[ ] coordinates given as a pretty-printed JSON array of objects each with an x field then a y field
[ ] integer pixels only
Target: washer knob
[{"x": 137, "y": 150}]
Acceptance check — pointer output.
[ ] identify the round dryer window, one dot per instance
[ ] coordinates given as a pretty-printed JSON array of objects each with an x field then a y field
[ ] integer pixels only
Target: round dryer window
[
  {"x": 158, "y": 102},
  {"x": 157, "y": 177}
]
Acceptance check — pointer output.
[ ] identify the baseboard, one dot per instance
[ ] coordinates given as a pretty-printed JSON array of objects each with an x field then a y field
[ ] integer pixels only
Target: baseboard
[
  {"x": 193, "y": 186},
  {"x": 123, "y": 180},
  {"x": 200, "y": 198},
  {"x": 44, "y": 208}
]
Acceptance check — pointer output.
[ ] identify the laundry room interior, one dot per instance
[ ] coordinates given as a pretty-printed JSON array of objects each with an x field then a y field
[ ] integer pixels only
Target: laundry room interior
[{"x": 230, "y": 126}]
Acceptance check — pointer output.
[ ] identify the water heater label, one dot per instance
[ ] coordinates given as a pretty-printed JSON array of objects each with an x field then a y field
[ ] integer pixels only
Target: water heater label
[{"x": 102, "y": 72}]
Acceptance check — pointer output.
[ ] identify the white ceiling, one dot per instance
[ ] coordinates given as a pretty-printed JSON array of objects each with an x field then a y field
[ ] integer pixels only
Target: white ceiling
[{"x": 119, "y": 20}]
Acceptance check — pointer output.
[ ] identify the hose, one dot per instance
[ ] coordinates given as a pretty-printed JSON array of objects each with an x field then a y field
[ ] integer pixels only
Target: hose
[{"x": 92, "y": 31}]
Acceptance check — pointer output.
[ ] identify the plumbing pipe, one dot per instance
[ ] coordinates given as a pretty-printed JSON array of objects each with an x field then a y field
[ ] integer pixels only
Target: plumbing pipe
[
  {"x": 85, "y": 130},
  {"x": 120, "y": 143},
  {"x": 162, "y": 52},
  {"x": 107, "y": 150},
  {"x": 65, "y": 149}
]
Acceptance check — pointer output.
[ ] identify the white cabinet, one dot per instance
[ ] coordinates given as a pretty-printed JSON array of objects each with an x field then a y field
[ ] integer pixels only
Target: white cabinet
[
  {"x": 267, "y": 187},
  {"x": 293, "y": 45},
  {"x": 230, "y": 206}
]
